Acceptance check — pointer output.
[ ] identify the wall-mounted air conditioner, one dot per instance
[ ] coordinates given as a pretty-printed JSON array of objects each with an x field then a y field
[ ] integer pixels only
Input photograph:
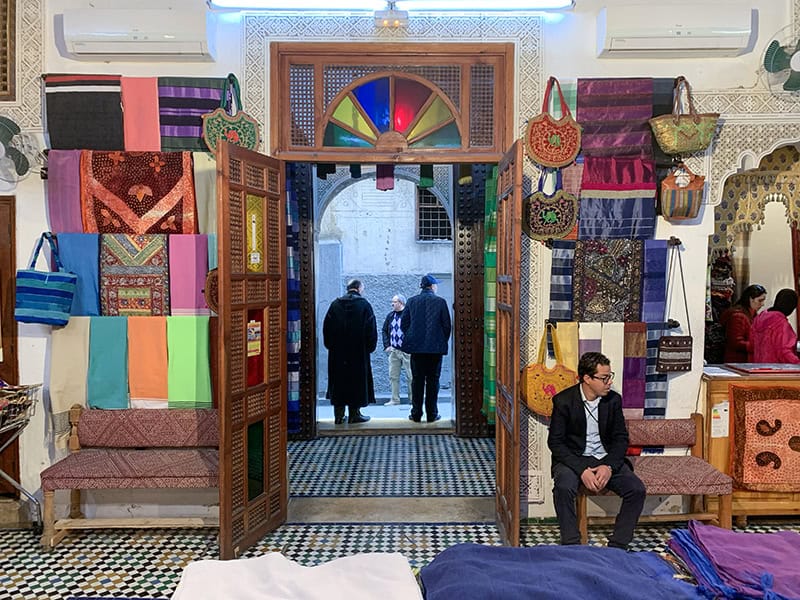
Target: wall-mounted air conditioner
[
  {"x": 662, "y": 31},
  {"x": 145, "y": 34}
]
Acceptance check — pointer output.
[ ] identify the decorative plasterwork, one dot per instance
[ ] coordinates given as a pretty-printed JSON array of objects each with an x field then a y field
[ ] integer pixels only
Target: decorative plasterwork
[{"x": 26, "y": 110}]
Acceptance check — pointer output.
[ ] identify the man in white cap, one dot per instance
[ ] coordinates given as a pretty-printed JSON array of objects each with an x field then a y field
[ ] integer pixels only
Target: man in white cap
[{"x": 426, "y": 329}]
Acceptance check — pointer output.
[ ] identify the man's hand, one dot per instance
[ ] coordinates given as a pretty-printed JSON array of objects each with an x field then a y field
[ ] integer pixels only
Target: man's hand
[
  {"x": 589, "y": 479},
  {"x": 602, "y": 474}
]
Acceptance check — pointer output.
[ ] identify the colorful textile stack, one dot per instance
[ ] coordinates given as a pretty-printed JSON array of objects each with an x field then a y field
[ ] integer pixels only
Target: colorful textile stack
[
  {"x": 133, "y": 275},
  {"x": 740, "y": 565}
]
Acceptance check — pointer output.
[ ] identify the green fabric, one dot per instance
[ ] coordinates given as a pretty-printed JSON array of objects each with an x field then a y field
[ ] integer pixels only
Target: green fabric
[
  {"x": 426, "y": 176},
  {"x": 189, "y": 374},
  {"x": 570, "y": 91},
  {"x": 490, "y": 296}
]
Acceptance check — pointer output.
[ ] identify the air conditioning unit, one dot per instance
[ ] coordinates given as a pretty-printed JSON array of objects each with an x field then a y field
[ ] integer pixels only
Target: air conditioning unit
[
  {"x": 144, "y": 35},
  {"x": 665, "y": 31}
]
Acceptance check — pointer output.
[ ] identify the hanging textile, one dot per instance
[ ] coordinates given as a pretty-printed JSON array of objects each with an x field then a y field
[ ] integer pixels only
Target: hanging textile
[
  {"x": 64, "y": 191},
  {"x": 384, "y": 177},
  {"x": 188, "y": 266},
  {"x": 426, "y": 176},
  {"x": 134, "y": 278},
  {"x": 634, "y": 369},
  {"x": 182, "y": 102},
  {"x": 567, "y": 332},
  {"x": 490, "y": 298},
  {"x": 140, "y": 106},
  {"x": 612, "y": 344},
  {"x": 69, "y": 368},
  {"x": 80, "y": 254},
  {"x": 572, "y": 176},
  {"x": 293, "y": 298},
  {"x": 561, "y": 268},
  {"x": 147, "y": 362},
  {"x": 204, "y": 169},
  {"x": 589, "y": 337},
  {"x": 654, "y": 280},
  {"x": 607, "y": 280},
  {"x": 84, "y": 112},
  {"x": 614, "y": 114},
  {"x": 137, "y": 192},
  {"x": 655, "y": 400},
  {"x": 189, "y": 376},
  {"x": 107, "y": 379}
]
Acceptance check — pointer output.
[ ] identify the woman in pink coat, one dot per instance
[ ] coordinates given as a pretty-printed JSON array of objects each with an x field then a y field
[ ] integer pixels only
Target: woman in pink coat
[{"x": 772, "y": 339}]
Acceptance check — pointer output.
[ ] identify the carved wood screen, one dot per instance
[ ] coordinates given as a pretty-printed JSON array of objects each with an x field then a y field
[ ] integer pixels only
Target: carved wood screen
[
  {"x": 251, "y": 363},
  {"x": 8, "y": 35},
  {"x": 507, "y": 429},
  {"x": 9, "y": 459},
  {"x": 475, "y": 81}
]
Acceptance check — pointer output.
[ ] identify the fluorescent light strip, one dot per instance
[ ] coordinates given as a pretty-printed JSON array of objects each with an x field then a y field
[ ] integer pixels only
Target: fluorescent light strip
[
  {"x": 418, "y": 5},
  {"x": 300, "y": 5}
]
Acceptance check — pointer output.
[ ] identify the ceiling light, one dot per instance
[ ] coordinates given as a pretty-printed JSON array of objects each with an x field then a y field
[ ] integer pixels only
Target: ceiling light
[
  {"x": 390, "y": 17},
  {"x": 482, "y": 5}
]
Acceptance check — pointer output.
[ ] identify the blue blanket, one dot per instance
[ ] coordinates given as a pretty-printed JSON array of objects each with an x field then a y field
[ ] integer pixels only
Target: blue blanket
[{"x": 468, "y": 571}]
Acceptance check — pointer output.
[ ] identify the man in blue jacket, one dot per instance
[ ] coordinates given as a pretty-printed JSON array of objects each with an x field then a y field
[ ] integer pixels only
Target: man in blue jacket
[
  {"x": 426, "y": 330},
  {"x": 589, "y": 439}
]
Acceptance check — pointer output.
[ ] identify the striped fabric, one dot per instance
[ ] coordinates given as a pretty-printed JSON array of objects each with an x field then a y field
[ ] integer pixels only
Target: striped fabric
[
  {"x": 614, "y": 114},
  {"x": 561, "y": 280},
  {"x": 43, "y": 296},
  {"x": 654, "y": 280},
  {"x": 294, "y": 327},
  {"x": 84, "y": 111},
  {"x": 634, "y": 368},
  {"x": 134, "y": 278},
  {"x": 589, "y": 337},
  {"x": 182, "y": 102},
  {"x": 490, "y": 299},
  {"x": 655, "y": 400}
]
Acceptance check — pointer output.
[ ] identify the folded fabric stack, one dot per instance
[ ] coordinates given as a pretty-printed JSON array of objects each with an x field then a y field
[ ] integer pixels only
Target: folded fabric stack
[{"x": 733, "y": 564}]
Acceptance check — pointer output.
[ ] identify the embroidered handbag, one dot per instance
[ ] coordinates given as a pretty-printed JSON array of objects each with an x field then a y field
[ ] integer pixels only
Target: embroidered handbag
[
  {"x": 678, "y": 133},
  {"x": 44, "y": 296},
  {"x": 549, "y": 217},
  {"x": 539, "y": 383},
  {"x": 674, "y": 352},
  {"x": 681, "y": 194},
  {"x": 238, "y": 128},
  {"x": 551, "y": 142}
]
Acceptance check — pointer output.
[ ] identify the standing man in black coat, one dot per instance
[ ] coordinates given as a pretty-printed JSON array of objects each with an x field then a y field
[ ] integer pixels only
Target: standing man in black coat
[
  {"x": 588, "y": 439},
  {"x": 426, "y": 330},
  {"x": 350, "y": 334}
]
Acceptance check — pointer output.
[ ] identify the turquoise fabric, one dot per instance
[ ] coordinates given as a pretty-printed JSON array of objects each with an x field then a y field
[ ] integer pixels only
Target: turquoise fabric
[{"x": 107, "y": 381}]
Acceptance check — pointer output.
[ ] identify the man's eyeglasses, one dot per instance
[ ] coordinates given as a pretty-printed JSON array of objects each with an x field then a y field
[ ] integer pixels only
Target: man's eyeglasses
[{"x": 604, "y": 378}]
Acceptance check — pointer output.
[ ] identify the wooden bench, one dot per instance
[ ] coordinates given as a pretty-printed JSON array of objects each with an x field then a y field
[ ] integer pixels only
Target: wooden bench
[
  {"x": 665, "y": 475},
  {"x": 132, "y": 449}
]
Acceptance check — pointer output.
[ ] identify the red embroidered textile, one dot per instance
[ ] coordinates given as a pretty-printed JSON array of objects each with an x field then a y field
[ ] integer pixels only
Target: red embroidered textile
[
  {"x": 137, "y": 192},
  {"x": 765, "y": 442}
]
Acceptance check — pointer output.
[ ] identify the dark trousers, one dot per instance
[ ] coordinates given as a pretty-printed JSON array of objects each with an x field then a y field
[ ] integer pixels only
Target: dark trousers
[
  {"x": 425, "y": 372},
  {"x": 624, "y": 483}
]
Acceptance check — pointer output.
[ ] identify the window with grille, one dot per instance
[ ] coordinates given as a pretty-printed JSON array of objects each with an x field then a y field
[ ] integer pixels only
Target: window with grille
[
  {"x": 433, "y": 224},
  {"x": 7, "y": 42}
]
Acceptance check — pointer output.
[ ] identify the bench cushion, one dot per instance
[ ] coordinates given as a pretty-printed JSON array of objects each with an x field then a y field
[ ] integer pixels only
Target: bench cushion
[
  {"x": 681, "y": 475},
  {"x": 661, "y": 432},
  {"x": 98, "y": 468},
  {"x": 148, "y": 428}
]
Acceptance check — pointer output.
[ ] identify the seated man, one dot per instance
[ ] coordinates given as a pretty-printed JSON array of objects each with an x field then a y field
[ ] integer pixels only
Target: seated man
[{"x": 588, "y": 439}]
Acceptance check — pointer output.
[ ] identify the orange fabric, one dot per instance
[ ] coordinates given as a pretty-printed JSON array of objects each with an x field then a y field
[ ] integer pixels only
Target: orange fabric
[
  {"x": 140, "y": 113},
  {"x": 147, "y": 361}
]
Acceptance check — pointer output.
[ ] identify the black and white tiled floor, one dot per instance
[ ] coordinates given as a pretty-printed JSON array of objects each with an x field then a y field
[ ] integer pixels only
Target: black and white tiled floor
[{"x": 148, "y": 563}]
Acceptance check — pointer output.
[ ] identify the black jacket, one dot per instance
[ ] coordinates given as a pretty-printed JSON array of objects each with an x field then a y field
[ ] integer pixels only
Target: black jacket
[
  {"x": 426, "y": 324},
  {"x": 567, "y": 436}
]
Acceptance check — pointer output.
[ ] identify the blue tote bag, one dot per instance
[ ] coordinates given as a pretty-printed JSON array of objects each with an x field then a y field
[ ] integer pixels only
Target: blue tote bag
[{"x": 44, "y": 296}]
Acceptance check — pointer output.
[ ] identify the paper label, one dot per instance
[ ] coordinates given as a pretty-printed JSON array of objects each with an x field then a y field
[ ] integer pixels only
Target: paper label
[
  {"x": 253, "y": 338},
  {"x": 720, "y": 420}
]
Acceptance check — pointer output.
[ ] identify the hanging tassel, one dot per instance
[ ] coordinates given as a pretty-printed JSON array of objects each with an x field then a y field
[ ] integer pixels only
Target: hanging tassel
[
  {"x": 355, "y": 171},
  {"x": 384, "y": 177},
  {"x": 325, "y": 169},
  {"x": 464, "y": 174},
  {"x": 425, "y": 176}
]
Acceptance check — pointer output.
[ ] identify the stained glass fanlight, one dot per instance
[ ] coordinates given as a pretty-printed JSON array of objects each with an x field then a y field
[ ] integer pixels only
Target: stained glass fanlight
[{"x": 392, "y": 111}]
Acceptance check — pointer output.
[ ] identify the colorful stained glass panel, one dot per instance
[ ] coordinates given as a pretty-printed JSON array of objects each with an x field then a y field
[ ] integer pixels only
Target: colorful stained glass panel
[
  {"x": 436, "y": 114},
  {"x": 446, "y": 137},
  {"x": 374, "y": 99},
  {"x": 339, "y": 136},
  {"x": 409, "y": 97},
  {"x": 347, "y": 114}
]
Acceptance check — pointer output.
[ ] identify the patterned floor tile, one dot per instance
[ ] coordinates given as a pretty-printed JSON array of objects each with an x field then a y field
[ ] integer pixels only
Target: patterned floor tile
[{"x": 399, "y": 465}]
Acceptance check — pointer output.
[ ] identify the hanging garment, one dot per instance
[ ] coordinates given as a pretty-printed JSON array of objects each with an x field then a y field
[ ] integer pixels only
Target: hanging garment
[
  {"x": 80, "y": 254},
  {"x": 137, "y": 192},
  {"x": 204, "y": 169},
  {"x": 561, "y": 280},
  {"x": 107, "y": 379},
  {"x": 64, "y": 191},
  {"x": 182, "y": 102},
  {"x": 84, "y": 112},
  {"x": 134, "y": 278},
  {"x": 189, "y": 377},
  {"x": 140, "y": 107},
  {"x": 634, "y": 369},
  {"x": 384, "y": 177},
  {"x": 69, "y": 368},
  {"x": 147, "y": 362},
  {"x": 654, "y": 280},
  {"x": 188, "y": 265}
]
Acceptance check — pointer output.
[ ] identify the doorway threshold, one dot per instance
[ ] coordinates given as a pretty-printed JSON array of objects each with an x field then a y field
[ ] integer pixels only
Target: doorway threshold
[{"x": 390, "y": 426}]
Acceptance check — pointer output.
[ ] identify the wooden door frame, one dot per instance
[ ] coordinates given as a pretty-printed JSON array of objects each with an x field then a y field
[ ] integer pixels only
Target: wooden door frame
[{"x": 9, "y": 368}]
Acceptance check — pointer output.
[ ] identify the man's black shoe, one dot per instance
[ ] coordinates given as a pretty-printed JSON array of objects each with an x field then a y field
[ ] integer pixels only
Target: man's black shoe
[
  {"x": 338, "y": 420},
  {"x": 358, "y": 418},
  {"x": 410, "y": 418},
  {"x": 434, "y": 419},
  {"x": 338, "y": 415}
]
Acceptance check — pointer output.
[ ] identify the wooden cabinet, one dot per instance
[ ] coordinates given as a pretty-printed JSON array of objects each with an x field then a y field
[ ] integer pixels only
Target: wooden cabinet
[{"x": 745, "y": 503}]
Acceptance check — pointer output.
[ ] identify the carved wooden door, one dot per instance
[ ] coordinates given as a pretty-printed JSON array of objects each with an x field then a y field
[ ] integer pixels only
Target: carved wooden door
[
  {"x": 509, "y": 207},
  {"x": 251, "y": 361}
]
